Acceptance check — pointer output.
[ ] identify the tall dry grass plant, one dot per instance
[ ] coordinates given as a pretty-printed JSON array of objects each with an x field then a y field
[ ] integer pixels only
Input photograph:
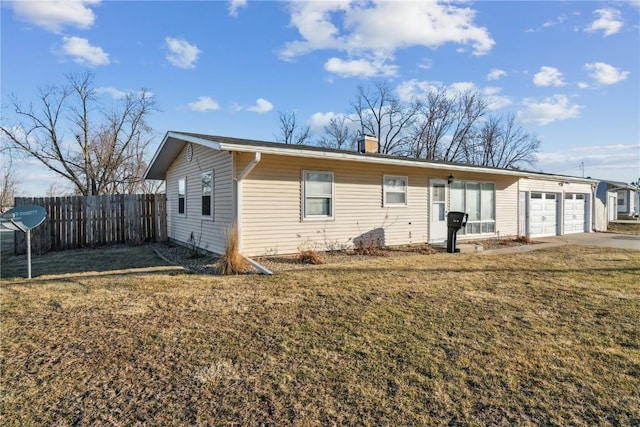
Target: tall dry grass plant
[{"x": 232, "y": 262}]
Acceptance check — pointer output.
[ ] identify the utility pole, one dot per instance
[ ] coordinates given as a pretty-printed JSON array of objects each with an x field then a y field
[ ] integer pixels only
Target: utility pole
[{"x": 582, "y": 168}]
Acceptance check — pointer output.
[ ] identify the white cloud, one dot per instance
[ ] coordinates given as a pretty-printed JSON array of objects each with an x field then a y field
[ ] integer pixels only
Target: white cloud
[
  {"x": 609, "y": 22},
  {"x": 318, "y": 121},
  {"x": 262, "y": 106},
  {"x": 371, "y": 32},
  {"x": 494, "y": 99},
  {"x": 234, "y": 5},
  {"x": 182, "y": 54},
  {"x": 119, "y": 94},
  {"x": 548, "y": 76},
  {"x": 616, "y": 161},
  {"x": 427, "y": 63},
  {"x": 605, "y": 74},
  {"x": 204, "y": 103},
  {"x": 496, "y": 74},
  {"x": 461, "y": 87},
  {"x": 360, "y": 68},
  {"x": 414, "y": 89},
  {"x": 82, "y": 52},
  {"x": 53, "y": 15},
  {"x": 115, "y": 93},
  {"x": 559, "y": 20},
  {"x": 550, "y": 110}
]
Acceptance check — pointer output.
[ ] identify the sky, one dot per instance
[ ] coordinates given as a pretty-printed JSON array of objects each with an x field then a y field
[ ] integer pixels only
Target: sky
[{"x": 568, "y": 70}]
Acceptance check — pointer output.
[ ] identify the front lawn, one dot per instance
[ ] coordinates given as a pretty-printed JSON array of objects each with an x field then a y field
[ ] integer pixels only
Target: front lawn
[{"x": 550, "y": 337}]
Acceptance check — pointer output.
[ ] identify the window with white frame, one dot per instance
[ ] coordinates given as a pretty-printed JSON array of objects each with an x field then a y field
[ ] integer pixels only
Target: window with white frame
[
  {"x": 394, "y": 191},
  {"x": 317, "y": 199},
  {"x": 207, "y": 194},
  {"x": 478, "y": 199},
  {"x": 182, "y": 196}
]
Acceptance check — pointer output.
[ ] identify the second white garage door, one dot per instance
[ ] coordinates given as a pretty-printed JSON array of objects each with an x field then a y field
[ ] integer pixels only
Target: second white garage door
[
  {"x": 543, "y": 219},
  {"x": 574, "y": 213}
]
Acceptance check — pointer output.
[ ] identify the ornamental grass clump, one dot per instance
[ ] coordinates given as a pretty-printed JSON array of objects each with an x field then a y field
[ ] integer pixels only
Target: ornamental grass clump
[
  {"x": 232, "y": 262},
  {"x": 309, "y": 256},
  {"x": 524, "y": 240}
]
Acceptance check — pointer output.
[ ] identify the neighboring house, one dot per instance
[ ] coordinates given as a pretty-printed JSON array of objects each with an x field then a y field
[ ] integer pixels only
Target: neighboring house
[
  {"x": 284, "y": 198},
  {"x": 627, "y": 205},
  {"x": 615, "y": 200}
]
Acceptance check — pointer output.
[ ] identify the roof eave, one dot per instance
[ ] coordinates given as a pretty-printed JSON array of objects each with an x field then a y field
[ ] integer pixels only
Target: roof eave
[
  {"x": 167, "y": 152},
  {"x": 399, "y": 161}
]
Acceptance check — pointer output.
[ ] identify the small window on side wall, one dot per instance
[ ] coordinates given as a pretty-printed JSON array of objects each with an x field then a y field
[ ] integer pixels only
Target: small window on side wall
[
  {"x": 182, "y": 196},
  {"x": 317, "y": 200},
  {"x": 395, "y": 191},
  {"x": 207, "y": 194}
]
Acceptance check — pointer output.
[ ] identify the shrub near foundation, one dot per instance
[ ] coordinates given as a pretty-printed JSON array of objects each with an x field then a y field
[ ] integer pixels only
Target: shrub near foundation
[{"x": 309, "y": 256}]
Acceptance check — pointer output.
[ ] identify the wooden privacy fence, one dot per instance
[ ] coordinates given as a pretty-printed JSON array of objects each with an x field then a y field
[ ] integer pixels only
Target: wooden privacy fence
[{"x": 89, "y": 221}]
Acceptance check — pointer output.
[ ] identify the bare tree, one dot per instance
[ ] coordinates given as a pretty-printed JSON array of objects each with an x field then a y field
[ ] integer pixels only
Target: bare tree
[
  {"x": 102, "y": 149},
  {"x": 154, "y": 186},
  {"x": 56, "y": 190},
  {"x": 434, "y": 118},
  {"x": 504, "y": 144},
  {"x": 382, "y": 114},
  {"x": 8, "y": 181},
  {"x": 337, "y": 134},
  {"x": 290, "y": 132},
  {"x": 471, "y": 107}
]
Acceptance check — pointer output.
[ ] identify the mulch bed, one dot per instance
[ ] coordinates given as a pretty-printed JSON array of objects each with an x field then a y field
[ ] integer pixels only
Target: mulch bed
[{"x": 202, "y": 262}]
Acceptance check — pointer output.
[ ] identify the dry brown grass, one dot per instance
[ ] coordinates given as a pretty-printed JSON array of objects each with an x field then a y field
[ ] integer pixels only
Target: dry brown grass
[
  {"x": 624, "y": 227},
  {"x": 540, "y": 338},
  {"x": 231, "y": 262}
]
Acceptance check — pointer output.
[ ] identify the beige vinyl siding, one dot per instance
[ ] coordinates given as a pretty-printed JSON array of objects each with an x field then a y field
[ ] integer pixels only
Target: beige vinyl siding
[
  {"x": 549, "y": 186},
  {"x": 209, "y": 233},
  {"x": 272, "y": 216},
  {"x": 272, "y": 220},
  {"x": 506, "y": 200}
]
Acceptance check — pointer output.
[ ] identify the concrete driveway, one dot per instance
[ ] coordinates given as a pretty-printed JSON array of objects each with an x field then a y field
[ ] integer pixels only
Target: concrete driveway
[{"x": 609, "y": 240}]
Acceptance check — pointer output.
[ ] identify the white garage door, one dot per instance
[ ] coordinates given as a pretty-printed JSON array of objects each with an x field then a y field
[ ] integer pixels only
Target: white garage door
[
  {"x": 543, "y": 220},
  {"x": 575, "y": 206}
]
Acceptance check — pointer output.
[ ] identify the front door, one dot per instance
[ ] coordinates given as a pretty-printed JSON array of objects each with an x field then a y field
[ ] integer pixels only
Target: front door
[{"x": 438, "y": 211}]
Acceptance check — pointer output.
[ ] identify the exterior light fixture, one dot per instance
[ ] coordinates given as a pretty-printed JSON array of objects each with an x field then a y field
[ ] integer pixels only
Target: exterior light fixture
[{"x": 450, "y": 179}]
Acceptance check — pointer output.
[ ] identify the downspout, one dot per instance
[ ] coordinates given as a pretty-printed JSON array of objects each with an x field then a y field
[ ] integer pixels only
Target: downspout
[
  {"x": 594, "y": 211},
  {"x": 257, "y": 156}
]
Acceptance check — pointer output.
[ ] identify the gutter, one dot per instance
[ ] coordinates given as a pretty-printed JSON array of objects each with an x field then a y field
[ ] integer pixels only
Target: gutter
[{"x": 257, "y": 156}]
